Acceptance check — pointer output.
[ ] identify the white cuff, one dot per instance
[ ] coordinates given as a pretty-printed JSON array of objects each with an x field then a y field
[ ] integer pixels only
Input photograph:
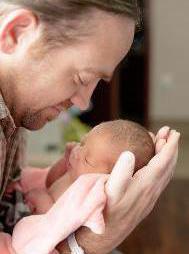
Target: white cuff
[{"x": 74, "y": 247}]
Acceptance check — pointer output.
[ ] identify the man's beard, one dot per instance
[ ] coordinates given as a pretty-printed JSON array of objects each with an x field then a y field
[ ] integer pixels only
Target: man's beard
[
  {"x": 37, "y": 120},
  {"x": 32, "y": 121}
]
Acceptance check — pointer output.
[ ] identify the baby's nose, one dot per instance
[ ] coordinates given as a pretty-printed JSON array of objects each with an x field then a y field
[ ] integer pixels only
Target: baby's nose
[{"x": 76, "y": 151}]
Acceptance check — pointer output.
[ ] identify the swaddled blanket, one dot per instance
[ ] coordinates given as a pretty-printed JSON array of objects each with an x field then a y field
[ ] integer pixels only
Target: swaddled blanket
[{"x": 81, "y": 204}]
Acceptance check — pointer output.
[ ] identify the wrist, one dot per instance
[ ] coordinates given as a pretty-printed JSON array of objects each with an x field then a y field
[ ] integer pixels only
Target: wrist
[
  {"x": 73, "y": 244},
  {"x": 92, "y": 243},
  {"x": 63, "y": 247}
]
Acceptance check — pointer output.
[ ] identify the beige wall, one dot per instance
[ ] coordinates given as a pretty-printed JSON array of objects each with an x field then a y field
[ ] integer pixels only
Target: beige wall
[{"x": 169, "y": 60}]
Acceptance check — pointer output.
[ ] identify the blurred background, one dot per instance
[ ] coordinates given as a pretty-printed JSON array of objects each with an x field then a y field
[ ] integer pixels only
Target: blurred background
[{"x": 151, "y": 87}]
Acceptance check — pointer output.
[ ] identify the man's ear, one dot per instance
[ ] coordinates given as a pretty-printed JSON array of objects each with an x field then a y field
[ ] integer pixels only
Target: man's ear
[{"x": 16, "y": 26}]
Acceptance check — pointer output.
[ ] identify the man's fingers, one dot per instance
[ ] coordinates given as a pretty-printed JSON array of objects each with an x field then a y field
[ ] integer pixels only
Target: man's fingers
[
  {"x": 167, "y": 150},
  {"x": 152, "y": 136},
  {"x": 163, "y": 133},
  {"x": 159, "y": 145},
  {"x": 162, "y": 161},
  {"x": 167, "y": 177},
  {"x": 149, "y": 182},
  {"x": 120, "y": 177},
  {"x": 170, "y": 171}
]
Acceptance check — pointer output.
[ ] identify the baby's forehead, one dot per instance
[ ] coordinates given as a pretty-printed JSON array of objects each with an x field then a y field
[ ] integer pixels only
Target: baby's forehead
[
  {"x": 98, "y": 132},
  {"x": 101, "y": 139},
  {"x": 104, "y": 137}
]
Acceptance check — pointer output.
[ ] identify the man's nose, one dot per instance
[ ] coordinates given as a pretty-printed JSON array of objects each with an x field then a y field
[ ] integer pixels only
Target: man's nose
[
  {"x": 81, "y": 102},
  {"x": 82, "y": 98}
]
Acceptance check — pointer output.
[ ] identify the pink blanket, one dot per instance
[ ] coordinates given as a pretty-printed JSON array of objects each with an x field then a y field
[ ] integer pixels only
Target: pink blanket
[{"x": 81, "y": 205}]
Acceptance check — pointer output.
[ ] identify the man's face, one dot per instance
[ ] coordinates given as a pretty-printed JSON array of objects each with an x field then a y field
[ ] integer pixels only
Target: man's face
[{"x": 40, "y": 87}]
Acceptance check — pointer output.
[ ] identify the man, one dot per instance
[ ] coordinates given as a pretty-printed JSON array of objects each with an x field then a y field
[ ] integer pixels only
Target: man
[{"x": 52, "y": 56}]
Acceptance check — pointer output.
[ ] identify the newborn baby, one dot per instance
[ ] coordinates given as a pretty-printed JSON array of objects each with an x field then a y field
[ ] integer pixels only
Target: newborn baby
[{"x": 97, "y": 152}]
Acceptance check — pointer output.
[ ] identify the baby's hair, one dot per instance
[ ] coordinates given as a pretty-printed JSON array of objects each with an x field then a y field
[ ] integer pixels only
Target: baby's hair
[{"x": 130, "y": 136}]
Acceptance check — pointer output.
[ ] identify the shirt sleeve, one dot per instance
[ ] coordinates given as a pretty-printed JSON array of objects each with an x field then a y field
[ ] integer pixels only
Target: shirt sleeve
[{"x": 20, "y": 159}]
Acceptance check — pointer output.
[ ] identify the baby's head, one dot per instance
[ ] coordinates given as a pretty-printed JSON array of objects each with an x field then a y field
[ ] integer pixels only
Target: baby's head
[{"x": 102, "y": 146}]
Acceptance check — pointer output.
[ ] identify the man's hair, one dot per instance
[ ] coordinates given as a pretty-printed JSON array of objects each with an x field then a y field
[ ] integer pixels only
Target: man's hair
[{"x": 53, "y": 12}]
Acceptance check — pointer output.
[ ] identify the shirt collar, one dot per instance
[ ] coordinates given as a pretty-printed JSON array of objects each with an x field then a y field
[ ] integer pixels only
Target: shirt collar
[{"x": 6, "y": 119}]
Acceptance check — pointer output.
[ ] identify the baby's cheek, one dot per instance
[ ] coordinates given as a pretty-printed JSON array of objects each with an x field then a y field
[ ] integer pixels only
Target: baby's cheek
[
  {"x": 78, "y": 170},
  {"x": 81, "y": 169}
]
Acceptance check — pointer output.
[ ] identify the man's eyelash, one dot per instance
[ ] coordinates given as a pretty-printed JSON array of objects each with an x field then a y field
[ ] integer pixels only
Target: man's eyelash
[{"x": 82, "y": 82}]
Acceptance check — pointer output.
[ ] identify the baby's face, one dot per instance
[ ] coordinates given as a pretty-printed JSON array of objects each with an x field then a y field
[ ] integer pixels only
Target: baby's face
[{"x": 91, "y": 155}]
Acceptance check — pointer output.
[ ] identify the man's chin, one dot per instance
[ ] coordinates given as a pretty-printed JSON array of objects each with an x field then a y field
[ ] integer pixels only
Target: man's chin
[
  {"x": 35, "y": 126},
  {"x": 37, "y": 121}
]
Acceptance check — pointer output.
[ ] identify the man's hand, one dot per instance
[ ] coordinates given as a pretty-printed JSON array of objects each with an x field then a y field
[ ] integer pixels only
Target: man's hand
[
  {"x": 131, "y": 198},
  {"x": 5, "y": 244}
]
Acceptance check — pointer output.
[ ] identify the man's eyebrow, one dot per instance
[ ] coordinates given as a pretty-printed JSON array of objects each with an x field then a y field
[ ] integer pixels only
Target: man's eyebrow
[
  {"x": 101, "y": 74},
  {"x": 105, "y": 76}
]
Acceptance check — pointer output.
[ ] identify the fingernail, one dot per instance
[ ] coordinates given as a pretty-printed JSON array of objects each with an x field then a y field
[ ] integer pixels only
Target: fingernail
[
  {"x": 129, "y": 156},
  {"x": 167, "y": 127},
  {"x": 178, "y": 133},
  {"x": 173, "y": 132}
]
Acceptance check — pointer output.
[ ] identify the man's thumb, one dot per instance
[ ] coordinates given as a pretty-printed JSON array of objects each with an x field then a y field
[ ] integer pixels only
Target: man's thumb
[{"x": 120, "y": 177}]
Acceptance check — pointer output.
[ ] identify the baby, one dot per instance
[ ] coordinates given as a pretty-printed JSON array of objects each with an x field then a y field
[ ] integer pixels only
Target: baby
[{"x": 97, "y": 152}]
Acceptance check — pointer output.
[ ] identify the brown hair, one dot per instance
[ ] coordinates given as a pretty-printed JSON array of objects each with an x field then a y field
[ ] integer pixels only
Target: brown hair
[
  {"x": 53, "y": 12},
  {"x": 130, "y": 136}
]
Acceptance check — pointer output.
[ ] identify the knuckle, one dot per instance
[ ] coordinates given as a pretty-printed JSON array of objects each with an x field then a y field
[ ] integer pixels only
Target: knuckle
[{"x": 147, "y": 188}]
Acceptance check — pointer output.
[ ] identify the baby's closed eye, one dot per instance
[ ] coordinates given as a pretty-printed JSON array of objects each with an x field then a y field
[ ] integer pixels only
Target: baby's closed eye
[
  {"x": 97, "y": 168},
  {"x": 89, "y": 163}
]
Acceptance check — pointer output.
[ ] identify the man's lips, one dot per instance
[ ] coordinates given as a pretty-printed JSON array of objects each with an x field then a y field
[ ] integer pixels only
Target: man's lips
[
  {"x": 59, "y": 110},
  {"x": 64, "y": 106},
  {"x": 67, "y": 104}
]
